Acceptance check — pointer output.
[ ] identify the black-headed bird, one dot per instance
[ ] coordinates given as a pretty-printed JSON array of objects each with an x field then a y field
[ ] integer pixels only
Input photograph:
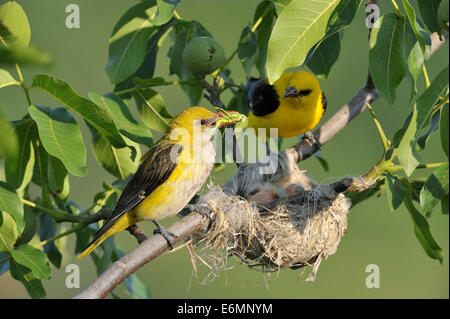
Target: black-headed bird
[
  {"x": 294, "y": 104},
  {"x": 169, "y": 175}
]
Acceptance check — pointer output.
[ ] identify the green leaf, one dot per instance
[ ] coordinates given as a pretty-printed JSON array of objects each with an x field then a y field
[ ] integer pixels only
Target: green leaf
[
  {"x": 19, "y": 178},
  {"x": 30, "y": 229},
  {"x": 119, "y": 162},
  {"x": 33, "y": 258},
  {"x": 395, "y": 192},
  {"x": 342, "y": 17},
  {"x": 29, "y": 55},
  {"x": 423, "y": 232},
  {"x": 322, "y": 161},
  {"x": 415, "y": 62},
  {"x": 247, "y": 49},
  {"x": 6, "y": 79},
  {"x": 84, "y": 237},
  {"x": 14, "y": 27},
  {"x": 152, "y": 109},
  {"x": 407, "y": 153},
  {"x": 325, "y": 53},
  {"x": 427, "y": 101},
  {"x": 10, "y": 203},
  {"x": 136, "y": 288},
  {"x": 300, "y": 25},
  {"x": 418, "y": 30},
  {"x": 444, "y": 205},
  {"x": 280, "y": 5},
  {"x": 428, "y": 11},
  {"x": 416, "y": 187},
  {"x": 4, "y": 266},
  {"x": 128, "y": 126},
  {"x": 9, "y": 144},
  {"x": 48, "y": 229},
  {"x": 183, "y": 32},
  {"x": 61, "y": 137},
  {"x": 28, "y": 279},
  {"x": 434, "y": 125},
  {"x": 434, "y": 189},
  {"x": 105, "y": 260},
  {"x": 147, "y": 68},
  {"x": 128, "y": 41},
  {"x": 443, "y": 128},
  {"x": 8, "y": 232},
  {"x": 324, "y": 56},
  {"x": 386, "y": 61},
  {"x": 92, "y": 113},
  {"x": 266, "y": 12},
  {"x": 165, "y": 11},
  {"x": 58, "y": 178}
]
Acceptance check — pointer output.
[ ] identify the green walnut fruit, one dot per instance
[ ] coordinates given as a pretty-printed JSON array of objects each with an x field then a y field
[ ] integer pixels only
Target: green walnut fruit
[
  {"x": 203, "y": 55},
  {"x": 442, "y": 14}
]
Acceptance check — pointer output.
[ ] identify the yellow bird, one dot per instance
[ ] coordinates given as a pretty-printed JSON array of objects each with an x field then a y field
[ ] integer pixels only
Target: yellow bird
[
  {"x": 169, "y": 175},
  {"x": 294, "y": 104}
]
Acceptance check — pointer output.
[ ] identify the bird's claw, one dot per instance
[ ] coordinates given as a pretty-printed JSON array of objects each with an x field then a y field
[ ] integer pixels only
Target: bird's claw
[
  {"x": 309, "y": 137},
  {"x": 203, "y": 210},
  {"x": 167, "y": 235}
]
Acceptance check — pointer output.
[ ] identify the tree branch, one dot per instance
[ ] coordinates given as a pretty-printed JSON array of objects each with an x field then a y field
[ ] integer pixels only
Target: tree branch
[
  {"x": 138, "y": 257},
  {"x": 155, "y": 245}
]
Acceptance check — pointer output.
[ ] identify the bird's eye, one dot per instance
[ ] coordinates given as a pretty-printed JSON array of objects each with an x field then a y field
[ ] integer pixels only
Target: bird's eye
[
  {"x": 304, "y": 92},
  {"x": 202, "y": 122}
]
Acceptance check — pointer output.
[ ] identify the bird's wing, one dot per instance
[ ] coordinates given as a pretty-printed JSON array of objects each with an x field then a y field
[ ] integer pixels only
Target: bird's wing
[
  {"x": 155, "y": 169},
  {"x": 262, "y": 97},
  {"x": 324, "y": 102}
]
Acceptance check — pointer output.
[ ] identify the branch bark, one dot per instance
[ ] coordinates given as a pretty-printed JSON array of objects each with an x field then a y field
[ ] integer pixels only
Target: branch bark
[
  {"x": 148, "y": 250},
  {"x": 155, "y": 245}
]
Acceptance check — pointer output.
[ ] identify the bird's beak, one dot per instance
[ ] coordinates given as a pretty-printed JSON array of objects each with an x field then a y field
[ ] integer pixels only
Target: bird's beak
[
  {"x": 223, "y": 118},
  {"x": 291, "y": 92}
]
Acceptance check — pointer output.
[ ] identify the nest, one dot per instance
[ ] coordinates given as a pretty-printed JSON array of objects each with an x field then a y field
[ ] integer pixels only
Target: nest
[{"x": 273, "y": 221}]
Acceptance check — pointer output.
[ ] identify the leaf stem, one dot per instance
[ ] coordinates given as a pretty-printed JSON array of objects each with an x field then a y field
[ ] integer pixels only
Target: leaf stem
[
  {"x": 22, "y": 83},
  {"x": 396, "y": 168},
  {"x": 57, "y": 214},
  {"x": 253, "y": 29},
  {"x": 384, "y": 140},
  {"x": 396, "y": 8},
  {"x": 78, "y": 227},
  {"x": 425, "y": 76},
  {"x": 440, "y": 105},
  {"x": 148, "y": 85}
]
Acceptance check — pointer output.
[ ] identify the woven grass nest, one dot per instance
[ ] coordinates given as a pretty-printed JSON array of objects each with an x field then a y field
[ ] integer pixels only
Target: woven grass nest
[{"x": 273, "y": 221}]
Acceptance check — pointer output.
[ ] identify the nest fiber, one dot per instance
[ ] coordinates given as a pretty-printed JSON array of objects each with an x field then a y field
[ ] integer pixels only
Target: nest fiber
[{"x": 275, "y": 221}]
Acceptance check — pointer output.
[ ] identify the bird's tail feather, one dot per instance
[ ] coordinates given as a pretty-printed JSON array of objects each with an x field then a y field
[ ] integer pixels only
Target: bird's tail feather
[{"x": 120, "y": 224}]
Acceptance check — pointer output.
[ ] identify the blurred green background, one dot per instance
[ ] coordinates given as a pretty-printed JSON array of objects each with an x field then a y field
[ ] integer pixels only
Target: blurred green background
[{"x": 375, "y": 234}]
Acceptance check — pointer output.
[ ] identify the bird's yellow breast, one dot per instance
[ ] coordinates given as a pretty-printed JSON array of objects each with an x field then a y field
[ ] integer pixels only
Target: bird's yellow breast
[
  {"x": 176, "y": 192},
  {"x": 292, "y": 118},
  {"x": 294, "y": 115}
]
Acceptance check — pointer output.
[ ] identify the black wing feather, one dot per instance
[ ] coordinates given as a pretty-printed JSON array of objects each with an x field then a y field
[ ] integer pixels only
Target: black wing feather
[
  {"x": 155, "y": 169},
  {"x": 262, "y": 97}
]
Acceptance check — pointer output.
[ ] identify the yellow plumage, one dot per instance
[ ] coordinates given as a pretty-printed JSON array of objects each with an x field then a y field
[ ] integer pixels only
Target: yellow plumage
[
  {"x": 296, "y": 113},
  {"x": 161, "y": 188}
]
